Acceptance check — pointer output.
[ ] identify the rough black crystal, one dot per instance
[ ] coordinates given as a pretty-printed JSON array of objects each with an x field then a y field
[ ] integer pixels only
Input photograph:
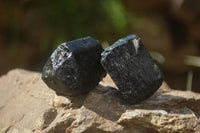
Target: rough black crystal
[
  {"x": 132, "y": 69},
  {"x": 74, "y": 67}
]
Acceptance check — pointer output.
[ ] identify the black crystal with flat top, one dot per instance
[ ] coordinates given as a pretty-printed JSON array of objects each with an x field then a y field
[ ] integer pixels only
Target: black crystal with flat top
[
  {"x": 74, "y": 67},
  {"x": 132, "y": 69}
]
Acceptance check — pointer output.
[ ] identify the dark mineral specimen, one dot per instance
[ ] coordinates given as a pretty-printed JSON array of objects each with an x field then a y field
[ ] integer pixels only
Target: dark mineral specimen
[
  {"x": 74, "y": 67},
  {"x": 132, "y": 69}
]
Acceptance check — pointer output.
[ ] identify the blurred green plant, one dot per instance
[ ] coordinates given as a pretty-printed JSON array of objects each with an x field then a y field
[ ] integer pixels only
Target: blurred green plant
[
  {"x": 73, "y": 19},
  {"x": 47, "y": 23}
]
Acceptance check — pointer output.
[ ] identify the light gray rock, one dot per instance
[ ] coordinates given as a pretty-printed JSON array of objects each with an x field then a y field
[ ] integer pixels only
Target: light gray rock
[{"x": 27, "y": 105}]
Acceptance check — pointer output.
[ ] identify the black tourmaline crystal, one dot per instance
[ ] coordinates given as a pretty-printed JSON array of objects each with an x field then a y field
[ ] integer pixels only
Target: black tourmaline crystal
[
  {"x": 74, "y": 67},
  {"x": 132, "y": 69}
]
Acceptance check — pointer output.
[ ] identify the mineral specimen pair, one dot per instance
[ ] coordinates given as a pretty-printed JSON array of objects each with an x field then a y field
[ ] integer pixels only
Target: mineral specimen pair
[{"x": 77, "y": 66}]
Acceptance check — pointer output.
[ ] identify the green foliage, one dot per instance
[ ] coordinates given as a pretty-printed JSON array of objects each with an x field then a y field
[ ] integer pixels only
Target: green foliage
[
  {"x": 117, "y": 14},
  {"x": 47, "y": 23},
  {"x": 72, "y": 19}
]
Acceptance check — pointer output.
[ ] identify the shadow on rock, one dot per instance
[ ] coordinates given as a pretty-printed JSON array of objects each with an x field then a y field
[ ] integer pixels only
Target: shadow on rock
[{"x": 106, "y": 102}]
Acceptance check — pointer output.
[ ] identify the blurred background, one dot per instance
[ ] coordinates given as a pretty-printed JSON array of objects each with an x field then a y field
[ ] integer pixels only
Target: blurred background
[{"x": 170, "y": 29}]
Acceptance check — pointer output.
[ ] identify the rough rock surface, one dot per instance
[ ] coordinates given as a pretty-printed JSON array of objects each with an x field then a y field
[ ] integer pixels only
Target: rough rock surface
[
  {"x": 74, "y": 67},
  {"x": 28, "y": 105},
  {"x": 132, "y": 69}
]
